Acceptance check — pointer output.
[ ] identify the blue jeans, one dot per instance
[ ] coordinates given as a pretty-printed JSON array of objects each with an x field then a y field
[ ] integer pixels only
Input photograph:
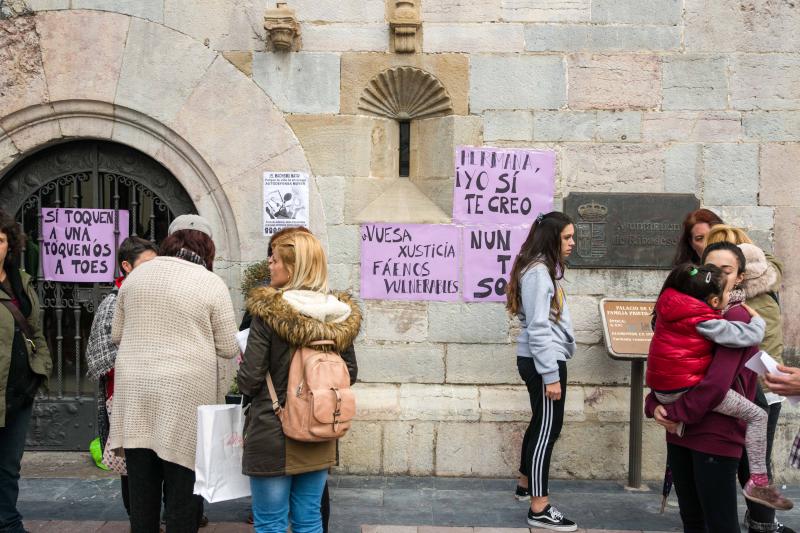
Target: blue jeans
[
  {"x": 12, "y": 444},
  {"x": 276, "y": 499}
]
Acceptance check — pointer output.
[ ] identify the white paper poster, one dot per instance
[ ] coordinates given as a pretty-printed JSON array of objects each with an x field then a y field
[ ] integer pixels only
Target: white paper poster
[{"x": 285, "y": 201}]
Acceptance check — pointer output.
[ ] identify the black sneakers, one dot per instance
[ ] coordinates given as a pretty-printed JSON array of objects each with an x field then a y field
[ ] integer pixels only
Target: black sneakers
[
  {"x": 522, "y": 493},
  {"x": 552, "y": 519}
]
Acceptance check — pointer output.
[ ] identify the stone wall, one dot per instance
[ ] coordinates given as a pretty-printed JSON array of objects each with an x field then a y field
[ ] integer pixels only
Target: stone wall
[{"x": 697, "y": 96}]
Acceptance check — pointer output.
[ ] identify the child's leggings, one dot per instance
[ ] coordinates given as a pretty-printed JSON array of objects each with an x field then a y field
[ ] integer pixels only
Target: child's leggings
[{"x": 737, "y": 406}]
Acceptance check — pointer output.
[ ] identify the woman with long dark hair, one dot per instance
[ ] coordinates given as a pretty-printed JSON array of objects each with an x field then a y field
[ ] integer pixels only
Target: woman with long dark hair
[
  {"x": 545, "y": 344},
  {"x": 24, "y": 362},
  {"x": 759, "y": 288},
  {"x": 704, "y": 461}
]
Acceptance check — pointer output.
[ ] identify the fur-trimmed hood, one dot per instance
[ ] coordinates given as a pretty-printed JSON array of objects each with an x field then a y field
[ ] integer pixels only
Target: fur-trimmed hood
[
  {"x": 302, "y": 317},
  {"x": 760, "y": 275}
]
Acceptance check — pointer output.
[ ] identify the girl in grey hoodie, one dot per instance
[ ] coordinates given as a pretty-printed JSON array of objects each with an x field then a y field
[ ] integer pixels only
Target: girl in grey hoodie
[{"x": 545, "y": 344}]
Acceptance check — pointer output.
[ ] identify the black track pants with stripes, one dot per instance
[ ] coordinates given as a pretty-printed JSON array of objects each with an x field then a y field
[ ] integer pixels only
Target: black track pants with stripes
[{"x": 545, "y": 426}]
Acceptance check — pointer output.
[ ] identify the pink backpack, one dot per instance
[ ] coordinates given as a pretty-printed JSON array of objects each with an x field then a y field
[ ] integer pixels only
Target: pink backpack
[{"x": 320, "y": 405}]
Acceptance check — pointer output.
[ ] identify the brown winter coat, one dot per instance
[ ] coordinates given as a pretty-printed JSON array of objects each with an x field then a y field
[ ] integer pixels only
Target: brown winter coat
[{"x": 277, "y": 329}]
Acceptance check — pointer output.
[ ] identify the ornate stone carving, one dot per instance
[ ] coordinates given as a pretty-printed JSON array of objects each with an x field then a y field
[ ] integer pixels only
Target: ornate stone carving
[
  {"x": 404, "y": 24},
  {"x": 405, "y": 93},
  {"x": 281, "y": 25}
]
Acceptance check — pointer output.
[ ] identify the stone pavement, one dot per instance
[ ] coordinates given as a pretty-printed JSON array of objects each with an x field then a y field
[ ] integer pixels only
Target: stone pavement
[
  {"x": 86, "y": 504},
  {"x": 60, "y": 493}
]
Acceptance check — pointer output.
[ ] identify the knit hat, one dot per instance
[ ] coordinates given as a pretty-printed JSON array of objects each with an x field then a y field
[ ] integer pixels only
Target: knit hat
[{"x": 195, "y": 222}]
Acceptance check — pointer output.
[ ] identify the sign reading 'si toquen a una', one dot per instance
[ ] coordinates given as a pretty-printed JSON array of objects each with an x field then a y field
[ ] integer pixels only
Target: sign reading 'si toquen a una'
[{"x": 626, "y": 230}]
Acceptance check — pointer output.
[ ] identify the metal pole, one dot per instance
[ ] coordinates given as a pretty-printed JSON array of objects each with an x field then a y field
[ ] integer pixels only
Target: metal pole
[{"x": 636, "y": 419}]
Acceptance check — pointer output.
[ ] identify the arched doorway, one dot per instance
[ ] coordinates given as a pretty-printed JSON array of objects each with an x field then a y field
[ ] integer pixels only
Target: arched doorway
[{"x": 82, "y": 174}]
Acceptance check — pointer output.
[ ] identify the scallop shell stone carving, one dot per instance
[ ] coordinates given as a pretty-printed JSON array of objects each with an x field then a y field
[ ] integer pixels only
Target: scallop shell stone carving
[{"x": 405, "y": 93}]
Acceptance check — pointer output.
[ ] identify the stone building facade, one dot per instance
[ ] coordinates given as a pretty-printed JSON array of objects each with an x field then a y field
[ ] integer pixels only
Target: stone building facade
[{"x": 651, "y": 96}]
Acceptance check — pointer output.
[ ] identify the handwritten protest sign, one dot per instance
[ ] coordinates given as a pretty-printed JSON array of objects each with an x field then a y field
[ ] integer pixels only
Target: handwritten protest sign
[
  {"x": 489, "y": 253},
  {"x": 78, "y": 244},
  {"x": 410, "y": 262},
  {"x": 285, "y": 201},
  {"x": 502, "y": 186}
]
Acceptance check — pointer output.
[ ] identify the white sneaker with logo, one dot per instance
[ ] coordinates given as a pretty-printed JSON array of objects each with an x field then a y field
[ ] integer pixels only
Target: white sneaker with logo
[{"x": 552, "y": 519}]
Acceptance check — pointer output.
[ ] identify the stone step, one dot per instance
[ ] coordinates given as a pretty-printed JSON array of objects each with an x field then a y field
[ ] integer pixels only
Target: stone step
[
  {"x": 69, "y": 526},
  {"x": 437, "y": 529}
]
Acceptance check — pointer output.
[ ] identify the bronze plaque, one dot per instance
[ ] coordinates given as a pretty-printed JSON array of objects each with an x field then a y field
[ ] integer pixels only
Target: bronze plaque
[
  {"x": 626, "y": 230},
  {"x": 626, "y": 327}
]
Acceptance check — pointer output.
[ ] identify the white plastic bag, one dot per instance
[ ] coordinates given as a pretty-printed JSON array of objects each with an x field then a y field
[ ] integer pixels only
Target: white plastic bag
[
  {"x": 241, "y": 338},
  {"x": 218, "y": 462}
]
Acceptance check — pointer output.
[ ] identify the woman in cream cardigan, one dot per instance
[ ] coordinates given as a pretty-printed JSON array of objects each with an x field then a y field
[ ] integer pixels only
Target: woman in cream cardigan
[{"x": 173, "y": 319}]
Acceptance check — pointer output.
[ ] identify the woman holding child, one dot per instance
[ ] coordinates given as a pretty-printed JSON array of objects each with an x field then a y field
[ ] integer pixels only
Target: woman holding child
[
  {"x": 762, "y": 280},
  {"x": 760, "y": 286},
  {"x": 704, "y": 461}
]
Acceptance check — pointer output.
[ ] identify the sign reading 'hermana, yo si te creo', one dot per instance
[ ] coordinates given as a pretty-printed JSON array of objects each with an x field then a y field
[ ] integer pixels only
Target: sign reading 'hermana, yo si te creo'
[{"x": 502, "y": 186}]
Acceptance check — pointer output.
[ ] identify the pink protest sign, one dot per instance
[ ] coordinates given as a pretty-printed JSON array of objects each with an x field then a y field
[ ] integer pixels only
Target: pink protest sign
[
  {"x": 410, "y": 262},
  {"x": 78, "y": 244},
  {"x": 489, "y": 253},
  {"x": 500, "y": 186}
]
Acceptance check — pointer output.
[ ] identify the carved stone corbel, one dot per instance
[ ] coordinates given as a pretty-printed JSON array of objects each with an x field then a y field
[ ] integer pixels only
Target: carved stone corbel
[
  {"x": 282, "y": 28},
  {"x": 404, "y": 25}
]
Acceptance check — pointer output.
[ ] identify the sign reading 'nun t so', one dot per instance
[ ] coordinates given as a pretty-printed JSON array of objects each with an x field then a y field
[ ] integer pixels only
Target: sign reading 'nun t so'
[
  {"x": 497, "y": 186},
  {"x": 78, "y": 244},
  {"x": 489, "y": 254}
]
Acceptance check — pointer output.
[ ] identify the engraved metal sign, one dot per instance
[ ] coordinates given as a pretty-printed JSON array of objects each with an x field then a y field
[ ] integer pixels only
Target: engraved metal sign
[
  {"x": 626, "y": 230},
  {"x": 626, "y": 327}
]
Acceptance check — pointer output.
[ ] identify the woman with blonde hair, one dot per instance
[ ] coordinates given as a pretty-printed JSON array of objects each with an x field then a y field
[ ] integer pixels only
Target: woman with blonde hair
[
  {"x": 288, "y": 476},
  {"x": 727, "y": 233}
]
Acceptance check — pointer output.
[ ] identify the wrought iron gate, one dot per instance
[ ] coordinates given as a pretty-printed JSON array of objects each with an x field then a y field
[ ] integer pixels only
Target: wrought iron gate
[{"x": 81, "y": 174}]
